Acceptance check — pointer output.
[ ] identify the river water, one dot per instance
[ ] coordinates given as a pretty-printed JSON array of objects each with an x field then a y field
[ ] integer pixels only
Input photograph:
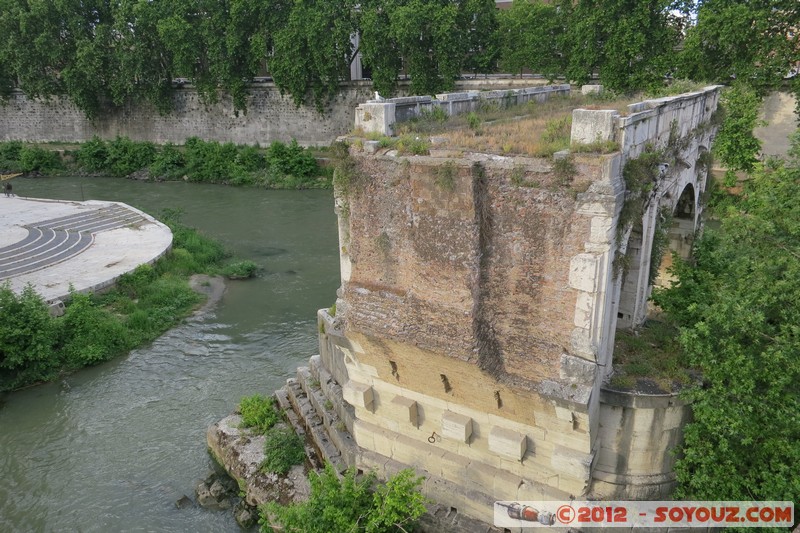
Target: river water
[{"x": 111, "y": 448}]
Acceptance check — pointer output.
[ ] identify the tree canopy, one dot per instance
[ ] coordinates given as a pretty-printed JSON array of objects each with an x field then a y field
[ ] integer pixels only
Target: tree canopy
[
  {"x": 738, "y": 307},
  {"x": 105, "y": 54}
]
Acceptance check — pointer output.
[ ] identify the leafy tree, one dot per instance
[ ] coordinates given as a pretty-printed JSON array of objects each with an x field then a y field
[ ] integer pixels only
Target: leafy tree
[
  {"x": 349, "y": 504},
  {"x": 379, "y": 51},
  {"x": 735, "y": 144},
  {"x": 629, "y": 43},
  {"x": 37, "y": 43},
  {"x": 218, "y": 45},
  {"x": 434, "y": 40},
  {"x": 738, "y": 306},
  {"x": 143, "y": 61},
  {"x": 753, "y": 41},
  {"x": 430, "y": 42},
  {"x": 312, "y": 51},
  {"x": 532, "y": 36},
  {"x": 478, "y": 20}
]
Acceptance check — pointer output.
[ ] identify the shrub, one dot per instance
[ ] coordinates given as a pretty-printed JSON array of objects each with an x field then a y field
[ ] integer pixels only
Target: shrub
[
  {"x": 209, "y": 162},
  {"x": 350, "y": 504},
  {"x": 291, "y": 159},
  {"x": 258, "y": 412},
  {"x": 169, "y": 163},
  {"x": 9, "y": 155},
  {"x": 283, "y": 449},
  {"x": 240, "y": 270},
  {"x": 126, "y": 156},
  {"x": 28, "y": 339},
  {"x": 92, "y": 154},
  {"x": 91, "y": 335},
  {"x": 446, "y": 176},
  {"x": 250, "y": 158},
  {"x": 32, "y": 158},
  {"x": 411, "y": 144}
]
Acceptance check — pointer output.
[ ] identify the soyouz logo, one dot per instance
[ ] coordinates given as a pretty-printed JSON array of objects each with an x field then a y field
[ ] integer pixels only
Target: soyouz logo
[{"x": 643, "y": 514}]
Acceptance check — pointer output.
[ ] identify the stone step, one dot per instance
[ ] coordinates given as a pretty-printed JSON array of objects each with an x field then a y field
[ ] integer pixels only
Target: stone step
[
  {"x": 298, "y": 405},
  {"x": 324, "y": 448},
  {"x": 335, "y": 427},
  {"x": 333, "y": 392}
]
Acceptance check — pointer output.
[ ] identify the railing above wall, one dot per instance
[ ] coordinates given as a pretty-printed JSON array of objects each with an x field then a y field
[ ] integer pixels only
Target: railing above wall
[{"x": 381, "y": 115}]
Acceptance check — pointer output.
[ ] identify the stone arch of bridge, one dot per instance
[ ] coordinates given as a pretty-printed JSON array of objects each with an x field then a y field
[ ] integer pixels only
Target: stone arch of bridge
[{"x": 678, "y": 205}]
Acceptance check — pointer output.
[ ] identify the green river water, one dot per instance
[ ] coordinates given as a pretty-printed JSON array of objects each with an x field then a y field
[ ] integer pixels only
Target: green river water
[{"x": 111, "y": 448}]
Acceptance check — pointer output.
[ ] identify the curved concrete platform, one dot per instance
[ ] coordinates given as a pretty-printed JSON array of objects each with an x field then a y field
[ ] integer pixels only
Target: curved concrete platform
[{"x": 55, "y": 245}]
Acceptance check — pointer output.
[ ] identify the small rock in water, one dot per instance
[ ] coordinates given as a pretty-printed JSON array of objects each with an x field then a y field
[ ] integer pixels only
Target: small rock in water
[
  {"x": 217, "y": 489},
  {"x": 184, "y": 502},
  {"x": 206, "y": 499},
  {"x": 244, "y": 515}
]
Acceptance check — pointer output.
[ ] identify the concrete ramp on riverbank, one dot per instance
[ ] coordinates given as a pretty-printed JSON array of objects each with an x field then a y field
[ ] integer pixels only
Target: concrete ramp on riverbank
[{"x": 58, "y": 245}]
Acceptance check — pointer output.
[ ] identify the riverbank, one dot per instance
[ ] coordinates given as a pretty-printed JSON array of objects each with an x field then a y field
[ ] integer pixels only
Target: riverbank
[
  {"x": 131, "y": 431},
  {"x": 54, "y": 321},
  {"x": 277, "y": 166}
]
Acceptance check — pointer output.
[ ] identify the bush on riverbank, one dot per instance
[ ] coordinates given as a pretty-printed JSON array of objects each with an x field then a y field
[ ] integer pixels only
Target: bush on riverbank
[
  {"x": 145, "y": 303},
  {"x": 279, "y": 166},
  {"x": 352, "y": 503}
]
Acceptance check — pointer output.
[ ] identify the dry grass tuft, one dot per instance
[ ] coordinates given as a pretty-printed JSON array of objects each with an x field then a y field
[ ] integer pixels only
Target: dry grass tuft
[{"x": 532, "y": 129}]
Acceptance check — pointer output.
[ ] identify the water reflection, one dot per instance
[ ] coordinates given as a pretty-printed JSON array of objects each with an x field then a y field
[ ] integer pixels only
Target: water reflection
[{"x": 113, "y": 447}]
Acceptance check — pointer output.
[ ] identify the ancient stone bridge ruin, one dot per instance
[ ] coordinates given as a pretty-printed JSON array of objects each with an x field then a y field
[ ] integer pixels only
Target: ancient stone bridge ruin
[{"x": 474, "y": 328}]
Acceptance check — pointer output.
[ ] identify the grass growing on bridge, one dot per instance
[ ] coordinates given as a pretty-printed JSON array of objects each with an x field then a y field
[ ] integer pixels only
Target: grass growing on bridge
[
  {"x": 536, "y": 129},
  {"x": 650, "y": 359},
  {"x": 35, "y": 347}
]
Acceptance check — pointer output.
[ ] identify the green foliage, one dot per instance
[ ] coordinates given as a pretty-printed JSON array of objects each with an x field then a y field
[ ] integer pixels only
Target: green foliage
[
  {"x": 9, "y": 155},
  {"x": 240, "y": 270},
  {"x": 473, "y": 121},
  {"x": 283, "y": 448},
  {"x": 640, "y": 175},
  {"x": 312, "y": 49},
  {"x": 564, "y": 169},
  {"x": 436, "y": 114},
  {"x": 446, "y": 176},
  {"x": 557, "y": 130},
  {"x": 209, "y": 161},
  {"x": 258, "y": 412},
  {"x": 660, "y": 242},
  {"x": 434, "y": 41},
  {"x": 93, "y": 154},
  {"x": 35, "y": 159},
  {"x": 349, "y": 504},
  {"x": 28, "y": 339},
  {"x": 217, "y": 44},
  {"x": 629, "y": 44},
  {"x": 412, "y": 144},
  {"x": 532, "y": 36},
  {"x": 652, "y": 353},
  {"x": 679, "y": 86},
  {"x": 126, "y": 156},
  {"x": 747, "y": 41},
  {"x": 91, "y": 334},
  {"x": 291, "y": 160},
  {"x": 735, "y": 144},
  {"x": 145, "y": 303},
  {"x": 738, "y": 307},
  {"x": 169, "y": 163}
]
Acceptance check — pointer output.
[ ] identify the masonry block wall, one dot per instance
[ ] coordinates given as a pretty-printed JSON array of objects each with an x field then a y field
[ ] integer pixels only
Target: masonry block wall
[
  {"x": 686, "y": 121},
  {"x": 270, "y": 116},
  {"x": 476, "y": 318},
  {"x": 460, "y": 300}
]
